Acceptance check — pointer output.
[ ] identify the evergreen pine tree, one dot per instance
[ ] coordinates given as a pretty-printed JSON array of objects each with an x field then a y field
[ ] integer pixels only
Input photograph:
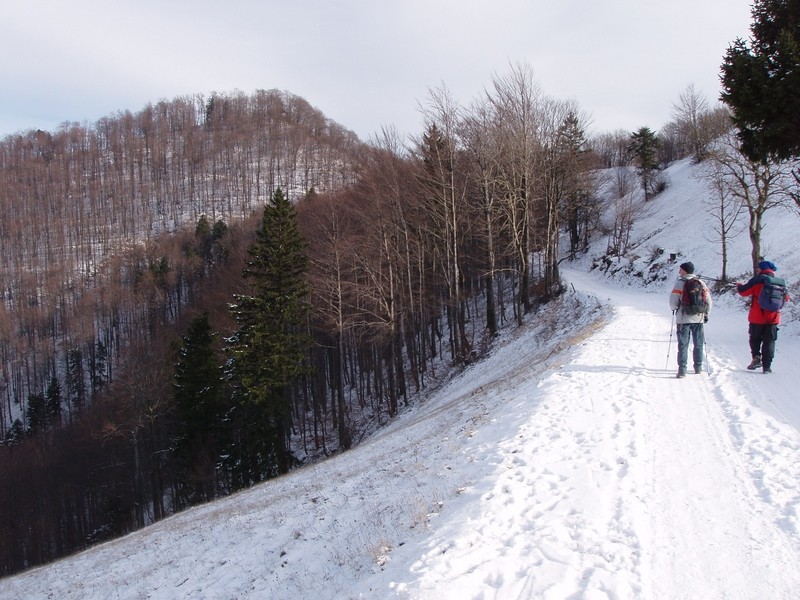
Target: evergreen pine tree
[
  {"x": 271, "y": 344},
  {"x": 761, "y": 82},
  {"x": 219, "y": 229},
  {"x": 53, "y": 400},
  {"x": 76, "y": 385},
  {"x": 36, "y": 414},
  {"x": 573, "y": 162},
  {"x": 15, "y": 434},
  {"x": 203, "y": 227},
  {"x": 199, "y": 412},
  {"x": 98, "y": 368},
  {"x": 644, "y": 149}
]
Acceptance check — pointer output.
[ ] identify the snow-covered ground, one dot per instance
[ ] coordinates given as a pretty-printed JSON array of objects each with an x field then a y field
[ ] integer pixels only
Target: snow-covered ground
[{"x": 571, "y": 464}]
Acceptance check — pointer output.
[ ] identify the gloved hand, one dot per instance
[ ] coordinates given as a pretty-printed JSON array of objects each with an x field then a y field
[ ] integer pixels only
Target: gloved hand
[{"x": 705, "y": 319}]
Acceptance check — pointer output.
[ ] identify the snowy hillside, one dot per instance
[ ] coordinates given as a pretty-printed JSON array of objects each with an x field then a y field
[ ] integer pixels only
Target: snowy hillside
[{"x": 570, "y": 464}]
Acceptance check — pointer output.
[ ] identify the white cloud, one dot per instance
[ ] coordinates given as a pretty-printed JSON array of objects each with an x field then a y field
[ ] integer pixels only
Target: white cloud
[{"x": 365, "y": 64}]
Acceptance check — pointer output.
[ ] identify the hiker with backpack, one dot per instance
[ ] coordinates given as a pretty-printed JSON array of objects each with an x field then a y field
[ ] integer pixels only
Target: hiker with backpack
[
  {"x": 768, "y": 294},
  {"x": 690, "y": 301}
]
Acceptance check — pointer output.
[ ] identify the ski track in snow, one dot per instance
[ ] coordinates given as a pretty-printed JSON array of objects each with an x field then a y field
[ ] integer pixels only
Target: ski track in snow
[{"x": 575, "y": 469}]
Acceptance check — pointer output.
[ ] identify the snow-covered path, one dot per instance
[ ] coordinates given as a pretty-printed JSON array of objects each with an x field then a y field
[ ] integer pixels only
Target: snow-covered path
[
  {"x": 627, "y": 483},
  {"x": 710, "y": 526},
  {"x": 569, "y": 465}
]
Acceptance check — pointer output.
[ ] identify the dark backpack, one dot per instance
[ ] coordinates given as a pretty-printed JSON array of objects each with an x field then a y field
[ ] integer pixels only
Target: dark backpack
[
  {"x": 694, "y": 299},
  {"x": 773, "y": 294}
]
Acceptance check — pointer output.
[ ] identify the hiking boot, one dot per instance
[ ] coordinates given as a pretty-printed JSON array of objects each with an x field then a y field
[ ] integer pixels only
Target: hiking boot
[
  {"x": 767, "y": 370},
  {"x": 698, "y": 369},
  {"x": 681, "y": 373},
  {"x": 755, "y": 363}
]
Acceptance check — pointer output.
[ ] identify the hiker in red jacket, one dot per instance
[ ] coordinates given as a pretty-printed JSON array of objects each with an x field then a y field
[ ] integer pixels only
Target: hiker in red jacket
[{"x": 765, "y": 314}]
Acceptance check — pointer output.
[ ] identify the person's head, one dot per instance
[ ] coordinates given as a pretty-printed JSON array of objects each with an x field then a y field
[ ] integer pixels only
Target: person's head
[
  {"x": 687, "y": 268},
  {"x": 767, "y": 265}
]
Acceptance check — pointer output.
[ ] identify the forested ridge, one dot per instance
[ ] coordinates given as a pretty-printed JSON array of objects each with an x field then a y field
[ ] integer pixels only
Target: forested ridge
[
  {"x": 112, "y": 235},
  {"x": 212, "y": 291},
  {"x": 83, "y": 210}
]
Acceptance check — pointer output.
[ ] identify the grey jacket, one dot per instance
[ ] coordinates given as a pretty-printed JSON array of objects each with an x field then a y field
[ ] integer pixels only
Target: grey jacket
[{"x": 675, "y": 302}]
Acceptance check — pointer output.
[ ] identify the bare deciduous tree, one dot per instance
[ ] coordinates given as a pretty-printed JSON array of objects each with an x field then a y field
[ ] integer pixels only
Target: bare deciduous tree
[
  {"x": 758, "y": 186},
  {"x": 516, "y": 101},
  {"x": 725, "y": 208}
]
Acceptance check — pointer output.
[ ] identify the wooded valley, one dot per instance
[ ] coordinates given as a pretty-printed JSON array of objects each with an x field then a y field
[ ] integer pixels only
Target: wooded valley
[{"x": 215, "y": 290}]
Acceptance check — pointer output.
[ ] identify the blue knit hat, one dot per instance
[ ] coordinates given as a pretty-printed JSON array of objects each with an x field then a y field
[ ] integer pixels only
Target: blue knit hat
[{"x": 767, "y": 265}]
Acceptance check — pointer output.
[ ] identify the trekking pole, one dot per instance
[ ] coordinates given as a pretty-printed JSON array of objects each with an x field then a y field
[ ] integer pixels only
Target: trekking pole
[{"x": 669, "y": 346}]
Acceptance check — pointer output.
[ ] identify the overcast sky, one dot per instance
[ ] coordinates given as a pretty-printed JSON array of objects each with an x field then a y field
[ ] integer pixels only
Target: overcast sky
[{"x": 366, "y": 64}]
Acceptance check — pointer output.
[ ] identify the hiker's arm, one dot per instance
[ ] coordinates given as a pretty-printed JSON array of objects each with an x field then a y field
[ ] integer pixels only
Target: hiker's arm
[
  {"x": 675, "y": 297},
  {"x": 747, "y": 289}
]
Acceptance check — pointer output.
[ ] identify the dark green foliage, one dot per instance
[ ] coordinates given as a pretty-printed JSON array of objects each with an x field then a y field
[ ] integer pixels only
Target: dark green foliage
[
  {"x": 219, "y": 230},
  {"x": 160, "y": 270},
  {"x": 199, "y": 411},
  {"x": 644, "y": 151},
  {"x": 98, "y": 367},
  {"x": 209, "y": 111},
  {"x": 576, "y": 193},
  {"x": 15, "y": 433},
  {"x": 53, "y": 398},
  {"x": 268, "y": 351},
  {"x": 208, "y": 240},
  {"x": 761, "y": 82},
  {"x": 644, "y": 148},
  {"x": 36, "y": 414},
  {"x": 44, "y": 410},
  {"x": 202, "y": 229}
]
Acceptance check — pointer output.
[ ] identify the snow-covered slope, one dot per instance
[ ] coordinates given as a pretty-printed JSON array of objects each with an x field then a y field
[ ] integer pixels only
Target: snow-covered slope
[{"x": 570, "y": 464}]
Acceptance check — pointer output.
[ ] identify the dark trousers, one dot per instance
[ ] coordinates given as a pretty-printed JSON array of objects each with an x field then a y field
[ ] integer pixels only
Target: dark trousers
[
  {"x": 762, "y": 342},
  {"x": 690, "y": 332}
]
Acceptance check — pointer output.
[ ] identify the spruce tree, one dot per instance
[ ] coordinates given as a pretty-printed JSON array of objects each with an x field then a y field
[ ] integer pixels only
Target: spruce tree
[
  {"x": 761, "y": 82},
  {"x": 269, "y": 349},
  {"x": 15, "y": 434},
  {"x": 36, "y": 414},
  {"x": 644, "y": 150},
  {"x": 98, "y": 368},
  {"x": 53, "y": 399},
  {"x": 573, "y": 163},
  {"x": 76, "y": 385},
  {"x": 199, "y": 412}
]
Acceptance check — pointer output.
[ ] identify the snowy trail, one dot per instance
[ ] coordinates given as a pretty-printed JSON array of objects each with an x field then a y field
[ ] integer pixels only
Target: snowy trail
[
  {"x": 711, "y": 535},
  {"x": 569, "y": 465},
  {"x": 711, "y": 523},
  {"x": 626, "y": 483}
]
